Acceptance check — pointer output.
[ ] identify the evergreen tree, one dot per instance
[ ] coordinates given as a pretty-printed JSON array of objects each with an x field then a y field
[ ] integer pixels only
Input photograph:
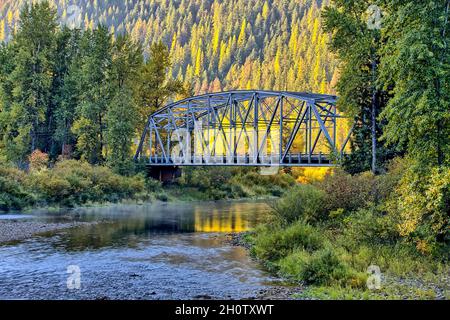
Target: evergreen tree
[
  {"x": 7, "y": 127},
  {"x": 67, "y": 89},
  {"x": 357, "y": 47},
  {"x": 34, "y": 46},
  {"x": 155, "y": 88},
  {"x": 415, "y": 66}
]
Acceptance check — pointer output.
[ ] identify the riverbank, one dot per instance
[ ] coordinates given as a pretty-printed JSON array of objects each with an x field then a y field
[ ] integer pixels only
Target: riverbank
[
  {"x": 392, "y": 287},
  {"x": 350, "y": 244},
  {"x": 286, "y": 290},
  {"x": 71, "y": 183}
]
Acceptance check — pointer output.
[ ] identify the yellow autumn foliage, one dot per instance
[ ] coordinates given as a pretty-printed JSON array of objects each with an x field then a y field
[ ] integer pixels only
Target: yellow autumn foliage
[
  {"x": 421, "y": 205},
  {"x": 309, "y": 175}
]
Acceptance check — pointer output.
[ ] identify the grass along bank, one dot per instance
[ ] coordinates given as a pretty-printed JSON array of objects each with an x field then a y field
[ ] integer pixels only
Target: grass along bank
[
  {"x": 72, "y": 183},
  {"x": 326, "y": 235}
]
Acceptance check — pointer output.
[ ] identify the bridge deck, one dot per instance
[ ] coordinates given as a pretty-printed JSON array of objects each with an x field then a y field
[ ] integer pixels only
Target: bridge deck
[{"x": 291, "y": 160}]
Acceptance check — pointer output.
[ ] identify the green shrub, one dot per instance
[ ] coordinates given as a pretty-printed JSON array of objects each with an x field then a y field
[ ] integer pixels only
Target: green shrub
[
  {"x": 344, "y": 191},
  {"x": 206, "y": 178},
  {"x": 369, "y": 226},
  {"x": 162, "y": 197},
  {"x": 153, "y": 185},
  {"x": 292, "y": 265},
  {"x": 273, "y": 242},
  {"x": 13, "y": 195},
  {"x": 387, "y": 183},
  {"x": 421, "y": 206},
  {"x": 276, "y": 191},
  {"x": 252, "y": 178},
  {"x": 301, "y": 202},
  {"x": 73, "y": 182},
  {"x": 322, "y": 267},
  {"x": 237, "y": 191}
]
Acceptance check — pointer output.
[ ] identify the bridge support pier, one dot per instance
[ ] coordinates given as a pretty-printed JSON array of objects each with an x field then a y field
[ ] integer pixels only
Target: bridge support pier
[{"x": 165, "y": 174}]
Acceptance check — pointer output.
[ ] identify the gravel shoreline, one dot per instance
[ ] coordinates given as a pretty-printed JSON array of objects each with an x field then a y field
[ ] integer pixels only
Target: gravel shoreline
[{"x": 15, "y": 230}]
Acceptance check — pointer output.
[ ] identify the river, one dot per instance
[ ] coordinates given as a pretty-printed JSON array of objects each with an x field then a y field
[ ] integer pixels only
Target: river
[{"x": 154, "y": 251}]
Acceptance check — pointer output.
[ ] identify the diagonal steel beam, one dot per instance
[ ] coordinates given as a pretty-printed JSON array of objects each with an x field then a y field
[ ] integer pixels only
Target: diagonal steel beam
[
  {"x": 322, "y": 126},
  {"x": 300, "y": 118}
]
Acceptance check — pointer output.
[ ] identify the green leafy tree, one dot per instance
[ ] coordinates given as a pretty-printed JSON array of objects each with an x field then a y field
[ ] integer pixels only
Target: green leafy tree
[
  {"x": 127, "y": 60},
  {"x": 415, "y": 67},
  {"x": 67, "y": 89},
  {"x": 6, "y": 87},
  {"x": 357, "y": 45},
  {"x": 31, "y": 78},
  {"x": 64, "y": 91},
  {"x": 95, "y": 95}
]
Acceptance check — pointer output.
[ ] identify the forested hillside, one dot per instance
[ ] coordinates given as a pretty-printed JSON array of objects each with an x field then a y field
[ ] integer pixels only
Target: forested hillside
[{"x": 215, "y": 45}]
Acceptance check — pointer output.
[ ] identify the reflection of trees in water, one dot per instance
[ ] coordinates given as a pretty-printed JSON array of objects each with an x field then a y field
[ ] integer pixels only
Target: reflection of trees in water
[
  {"x": 238, "y": 217},
  {"x": 125, "y": 232},
  {"x": 129, "y": 230}
]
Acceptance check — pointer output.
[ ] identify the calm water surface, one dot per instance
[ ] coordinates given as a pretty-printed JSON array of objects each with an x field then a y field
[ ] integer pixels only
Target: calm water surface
[{"x": 158, "y": 251}]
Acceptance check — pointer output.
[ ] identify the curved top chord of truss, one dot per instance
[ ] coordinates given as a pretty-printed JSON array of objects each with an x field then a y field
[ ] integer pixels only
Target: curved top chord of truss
[
  {"x": 218, "y": 97},
  {"x": 246, "y": 127}
]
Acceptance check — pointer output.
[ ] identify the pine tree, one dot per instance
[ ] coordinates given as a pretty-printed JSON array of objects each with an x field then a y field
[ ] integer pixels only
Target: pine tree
[
  {"x": 242, "y": 36},
  {"x": 415, "y": 65},
  {"x": 154, "y": 87},
  {"x": 61, "y": 110},
  {"x": 32, "y": 79},
  {"x": 265, "y": 10}
]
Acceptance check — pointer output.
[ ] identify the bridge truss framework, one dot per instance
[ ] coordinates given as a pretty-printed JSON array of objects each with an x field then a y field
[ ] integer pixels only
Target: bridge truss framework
[{"x": 244, "y": 128}]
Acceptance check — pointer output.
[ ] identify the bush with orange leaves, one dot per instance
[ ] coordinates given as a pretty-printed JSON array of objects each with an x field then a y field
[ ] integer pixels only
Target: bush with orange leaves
[{"x": 38, "y": 160}]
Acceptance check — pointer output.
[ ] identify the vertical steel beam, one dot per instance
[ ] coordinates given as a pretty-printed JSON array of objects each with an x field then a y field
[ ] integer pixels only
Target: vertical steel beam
[
  {"x": 269, "y": 126},
  {"x": 280, "y": 150},
  {"x": 255, "y": 127},
  {"x": 309, "y": 132},
  {"x": 160, "y": 141},
  {"x": 150, "y": 142},
  {"x": 334, "y": 124}
]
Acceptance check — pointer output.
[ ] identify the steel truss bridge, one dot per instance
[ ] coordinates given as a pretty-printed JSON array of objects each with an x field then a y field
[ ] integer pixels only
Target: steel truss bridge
[{"x": 244, "y": 128}]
